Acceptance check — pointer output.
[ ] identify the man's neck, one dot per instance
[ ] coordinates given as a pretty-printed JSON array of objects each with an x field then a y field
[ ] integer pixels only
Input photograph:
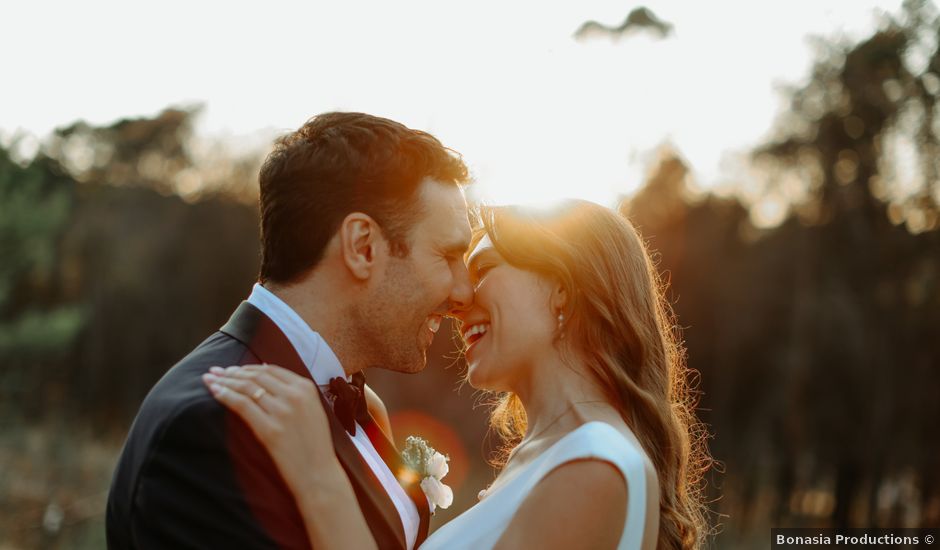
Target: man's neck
[{"x": 322, "y": 316}]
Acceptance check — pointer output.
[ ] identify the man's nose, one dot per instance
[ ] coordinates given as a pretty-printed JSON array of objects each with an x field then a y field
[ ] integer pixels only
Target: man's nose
[{"x": 461, "y": 294}]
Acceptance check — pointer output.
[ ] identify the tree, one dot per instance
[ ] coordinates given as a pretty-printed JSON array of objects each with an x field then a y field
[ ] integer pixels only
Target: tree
[{"x": 36, "y": 202}]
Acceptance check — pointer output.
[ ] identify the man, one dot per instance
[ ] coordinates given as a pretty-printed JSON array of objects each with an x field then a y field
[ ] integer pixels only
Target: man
[{"x": 363, "y": 231}]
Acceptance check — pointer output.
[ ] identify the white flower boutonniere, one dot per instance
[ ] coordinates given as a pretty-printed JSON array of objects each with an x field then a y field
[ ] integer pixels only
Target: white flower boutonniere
[{"x": 431, "y": 467}]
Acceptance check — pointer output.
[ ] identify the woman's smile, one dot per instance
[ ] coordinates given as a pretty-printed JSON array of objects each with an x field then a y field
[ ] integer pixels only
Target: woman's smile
[{"x": 473, "y": 334}]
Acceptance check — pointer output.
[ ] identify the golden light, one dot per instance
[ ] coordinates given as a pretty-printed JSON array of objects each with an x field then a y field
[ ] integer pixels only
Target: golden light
[
  {"x": 407, "y": 476},
  {"x": 442, "y": 437}
]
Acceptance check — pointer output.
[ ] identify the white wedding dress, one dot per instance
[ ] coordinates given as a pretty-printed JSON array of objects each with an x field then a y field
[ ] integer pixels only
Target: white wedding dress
[{"x": 483, "y": 524}]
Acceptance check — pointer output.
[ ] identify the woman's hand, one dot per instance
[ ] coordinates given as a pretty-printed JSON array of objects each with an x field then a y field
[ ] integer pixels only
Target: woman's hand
[{"x": 285, "y": 413}]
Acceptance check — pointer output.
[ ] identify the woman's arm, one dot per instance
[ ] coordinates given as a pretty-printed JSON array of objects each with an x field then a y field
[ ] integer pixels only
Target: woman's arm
[{"x": 285, "y": 414}]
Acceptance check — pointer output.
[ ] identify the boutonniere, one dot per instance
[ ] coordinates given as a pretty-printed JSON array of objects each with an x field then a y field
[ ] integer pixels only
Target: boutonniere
[{"x": 431, "y": 467}]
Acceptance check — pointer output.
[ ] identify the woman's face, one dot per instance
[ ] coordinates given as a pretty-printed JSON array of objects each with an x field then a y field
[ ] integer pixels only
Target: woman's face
[{"x": 509, "y": 324}]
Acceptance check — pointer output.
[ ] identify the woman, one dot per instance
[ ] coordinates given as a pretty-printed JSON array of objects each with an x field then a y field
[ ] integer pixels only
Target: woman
[{"x": 570, "y": 326}]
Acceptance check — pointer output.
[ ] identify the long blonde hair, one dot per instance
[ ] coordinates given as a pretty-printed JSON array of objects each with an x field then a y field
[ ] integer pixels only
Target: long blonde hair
[{"x": 620, "y": 324}]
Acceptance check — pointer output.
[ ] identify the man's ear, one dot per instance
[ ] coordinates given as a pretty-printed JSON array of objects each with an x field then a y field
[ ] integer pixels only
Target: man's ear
[{"x": 360, "y": 241}]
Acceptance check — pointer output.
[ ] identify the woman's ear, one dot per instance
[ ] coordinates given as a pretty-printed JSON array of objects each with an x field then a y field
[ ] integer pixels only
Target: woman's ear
[
  {"x": 360, "y": 241},
  {"x": 559, "y": 299}
]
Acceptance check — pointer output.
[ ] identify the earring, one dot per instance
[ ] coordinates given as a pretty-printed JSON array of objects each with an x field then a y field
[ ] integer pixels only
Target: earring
[{"x": 561, "y": 324}]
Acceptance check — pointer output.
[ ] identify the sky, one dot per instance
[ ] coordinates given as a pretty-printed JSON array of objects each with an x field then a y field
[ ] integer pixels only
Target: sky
[{"x": 536, "y": 113}]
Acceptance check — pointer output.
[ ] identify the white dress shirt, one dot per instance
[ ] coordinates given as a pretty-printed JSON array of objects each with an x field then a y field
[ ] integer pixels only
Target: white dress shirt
[{"x": 324, "y": 366}]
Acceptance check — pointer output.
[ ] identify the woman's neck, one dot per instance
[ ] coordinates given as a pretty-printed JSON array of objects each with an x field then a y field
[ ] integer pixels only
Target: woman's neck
[{"x": 560, "y": 396}]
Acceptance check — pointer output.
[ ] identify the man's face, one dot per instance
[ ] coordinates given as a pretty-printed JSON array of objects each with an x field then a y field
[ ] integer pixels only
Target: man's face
[{"x": 418, "y": 290}]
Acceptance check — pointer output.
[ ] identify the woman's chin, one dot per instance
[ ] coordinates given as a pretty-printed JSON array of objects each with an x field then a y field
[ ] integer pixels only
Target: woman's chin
[
  {"x": 480, "y": 378},
  {"x": 473, "y": 375}
]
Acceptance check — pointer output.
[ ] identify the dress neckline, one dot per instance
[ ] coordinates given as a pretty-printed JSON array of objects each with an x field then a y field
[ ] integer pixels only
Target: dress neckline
[{"x": 486, "y": 493}]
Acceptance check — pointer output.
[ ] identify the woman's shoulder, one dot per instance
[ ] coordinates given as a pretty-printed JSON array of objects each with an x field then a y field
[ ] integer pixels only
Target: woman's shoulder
[
  {"x": 601, "y": 474},
  {"x": 601, "y": 441},
  {"x": 600, "y": 437}
]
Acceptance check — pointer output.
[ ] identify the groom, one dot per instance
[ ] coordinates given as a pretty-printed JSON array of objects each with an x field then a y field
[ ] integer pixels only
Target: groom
[{"x": 363, "y": 231}]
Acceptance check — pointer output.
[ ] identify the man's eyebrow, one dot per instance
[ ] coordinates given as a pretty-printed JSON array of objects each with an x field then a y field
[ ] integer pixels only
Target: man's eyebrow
[{"x": 457, "y": 247}]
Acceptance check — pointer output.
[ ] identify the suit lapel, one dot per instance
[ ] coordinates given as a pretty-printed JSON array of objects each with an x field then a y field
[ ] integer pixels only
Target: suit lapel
[
  {"x": 416, "y": 493},
  {"x": 254, "y": 329},
  {"x": 390, "y": 455}
]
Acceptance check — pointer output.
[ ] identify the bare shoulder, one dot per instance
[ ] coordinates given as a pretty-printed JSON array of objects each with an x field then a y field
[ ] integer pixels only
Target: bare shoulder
[
  {"x": 597, "y": 479},
  {"x": 580, "y": 504},
  {"x": 649, "y": 470},
  {"x": 652, "y": 496},
  {"x": 378, "y": 411}
]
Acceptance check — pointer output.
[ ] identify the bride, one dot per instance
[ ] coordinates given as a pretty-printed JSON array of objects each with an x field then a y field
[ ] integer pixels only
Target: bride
[{"x": 569, "y": 324}]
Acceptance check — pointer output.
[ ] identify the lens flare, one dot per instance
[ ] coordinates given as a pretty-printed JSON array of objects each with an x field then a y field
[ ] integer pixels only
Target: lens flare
[{"x": 438, "y": 435}]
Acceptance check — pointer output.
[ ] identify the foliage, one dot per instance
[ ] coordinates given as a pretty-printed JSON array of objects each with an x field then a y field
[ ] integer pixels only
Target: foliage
[
  {"x": 815, "y": 340},
  {"x": 863, "y": 132},
  {"x": 36, "y": 202}
]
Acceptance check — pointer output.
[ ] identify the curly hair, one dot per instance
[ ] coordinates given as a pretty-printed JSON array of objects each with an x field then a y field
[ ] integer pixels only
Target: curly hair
[{"x": 622, "y": 327}]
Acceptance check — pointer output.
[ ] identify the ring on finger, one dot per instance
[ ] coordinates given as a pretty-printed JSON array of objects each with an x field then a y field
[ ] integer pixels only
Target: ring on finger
[{"x": 259, "y": 393}]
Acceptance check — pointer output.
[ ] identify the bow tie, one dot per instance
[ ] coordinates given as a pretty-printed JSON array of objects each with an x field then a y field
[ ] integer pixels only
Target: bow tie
[{"x": 349, "y": 401}]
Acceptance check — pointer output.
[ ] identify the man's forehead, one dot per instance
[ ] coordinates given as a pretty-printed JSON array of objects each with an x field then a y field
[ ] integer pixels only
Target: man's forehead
[
  {"x": 448, "y": 220},
  {"x": 458, "y": 221},
  {"x": 459, "y": 236}
]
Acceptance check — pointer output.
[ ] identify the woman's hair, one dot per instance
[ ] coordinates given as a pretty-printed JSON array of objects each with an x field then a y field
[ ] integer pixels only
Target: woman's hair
[{"x": 619, "y": 323}]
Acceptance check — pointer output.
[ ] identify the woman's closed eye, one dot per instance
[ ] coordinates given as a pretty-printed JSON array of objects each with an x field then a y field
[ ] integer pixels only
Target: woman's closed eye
[{"x": 482, "y": 270}]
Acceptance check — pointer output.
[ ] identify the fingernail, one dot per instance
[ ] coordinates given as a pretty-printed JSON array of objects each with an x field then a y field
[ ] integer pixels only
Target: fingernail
[
  {"x": 216, "y": 388},
  {"x": 216, "y": 370},
  {"x": 209, "y": 377},
  {"x": 232, "y": 368}
]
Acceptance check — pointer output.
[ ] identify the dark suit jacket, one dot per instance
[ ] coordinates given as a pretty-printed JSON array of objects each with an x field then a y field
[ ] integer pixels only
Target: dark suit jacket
[{"x": 192, "y": 475}]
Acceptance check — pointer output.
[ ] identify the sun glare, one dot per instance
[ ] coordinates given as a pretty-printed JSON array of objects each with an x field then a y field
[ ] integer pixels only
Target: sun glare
[{"x": 538, "y": 114}]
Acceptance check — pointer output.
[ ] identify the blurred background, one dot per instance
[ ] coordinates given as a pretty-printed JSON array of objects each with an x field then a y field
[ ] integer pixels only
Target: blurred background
[{"x": 782, "y": 160}]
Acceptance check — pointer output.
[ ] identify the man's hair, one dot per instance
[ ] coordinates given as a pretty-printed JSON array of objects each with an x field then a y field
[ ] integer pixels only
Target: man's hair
[{"x": 336, "y": 164}]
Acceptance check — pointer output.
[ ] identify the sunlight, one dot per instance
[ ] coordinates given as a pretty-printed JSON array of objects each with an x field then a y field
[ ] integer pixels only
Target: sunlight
[
  {"x": 769, "y": 211},
  {"x": 536, "y": 207},
  {"x": 537, "y": 114},
  {"x": 544, "y": 194}
]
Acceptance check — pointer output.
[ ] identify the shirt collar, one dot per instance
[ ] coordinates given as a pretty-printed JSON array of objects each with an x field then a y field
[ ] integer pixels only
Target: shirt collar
[{"x": 310, "y": 346}]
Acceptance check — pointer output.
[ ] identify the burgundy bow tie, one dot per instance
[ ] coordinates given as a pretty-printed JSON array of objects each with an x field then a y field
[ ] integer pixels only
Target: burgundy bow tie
[{"x": 349, "y": 400}]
